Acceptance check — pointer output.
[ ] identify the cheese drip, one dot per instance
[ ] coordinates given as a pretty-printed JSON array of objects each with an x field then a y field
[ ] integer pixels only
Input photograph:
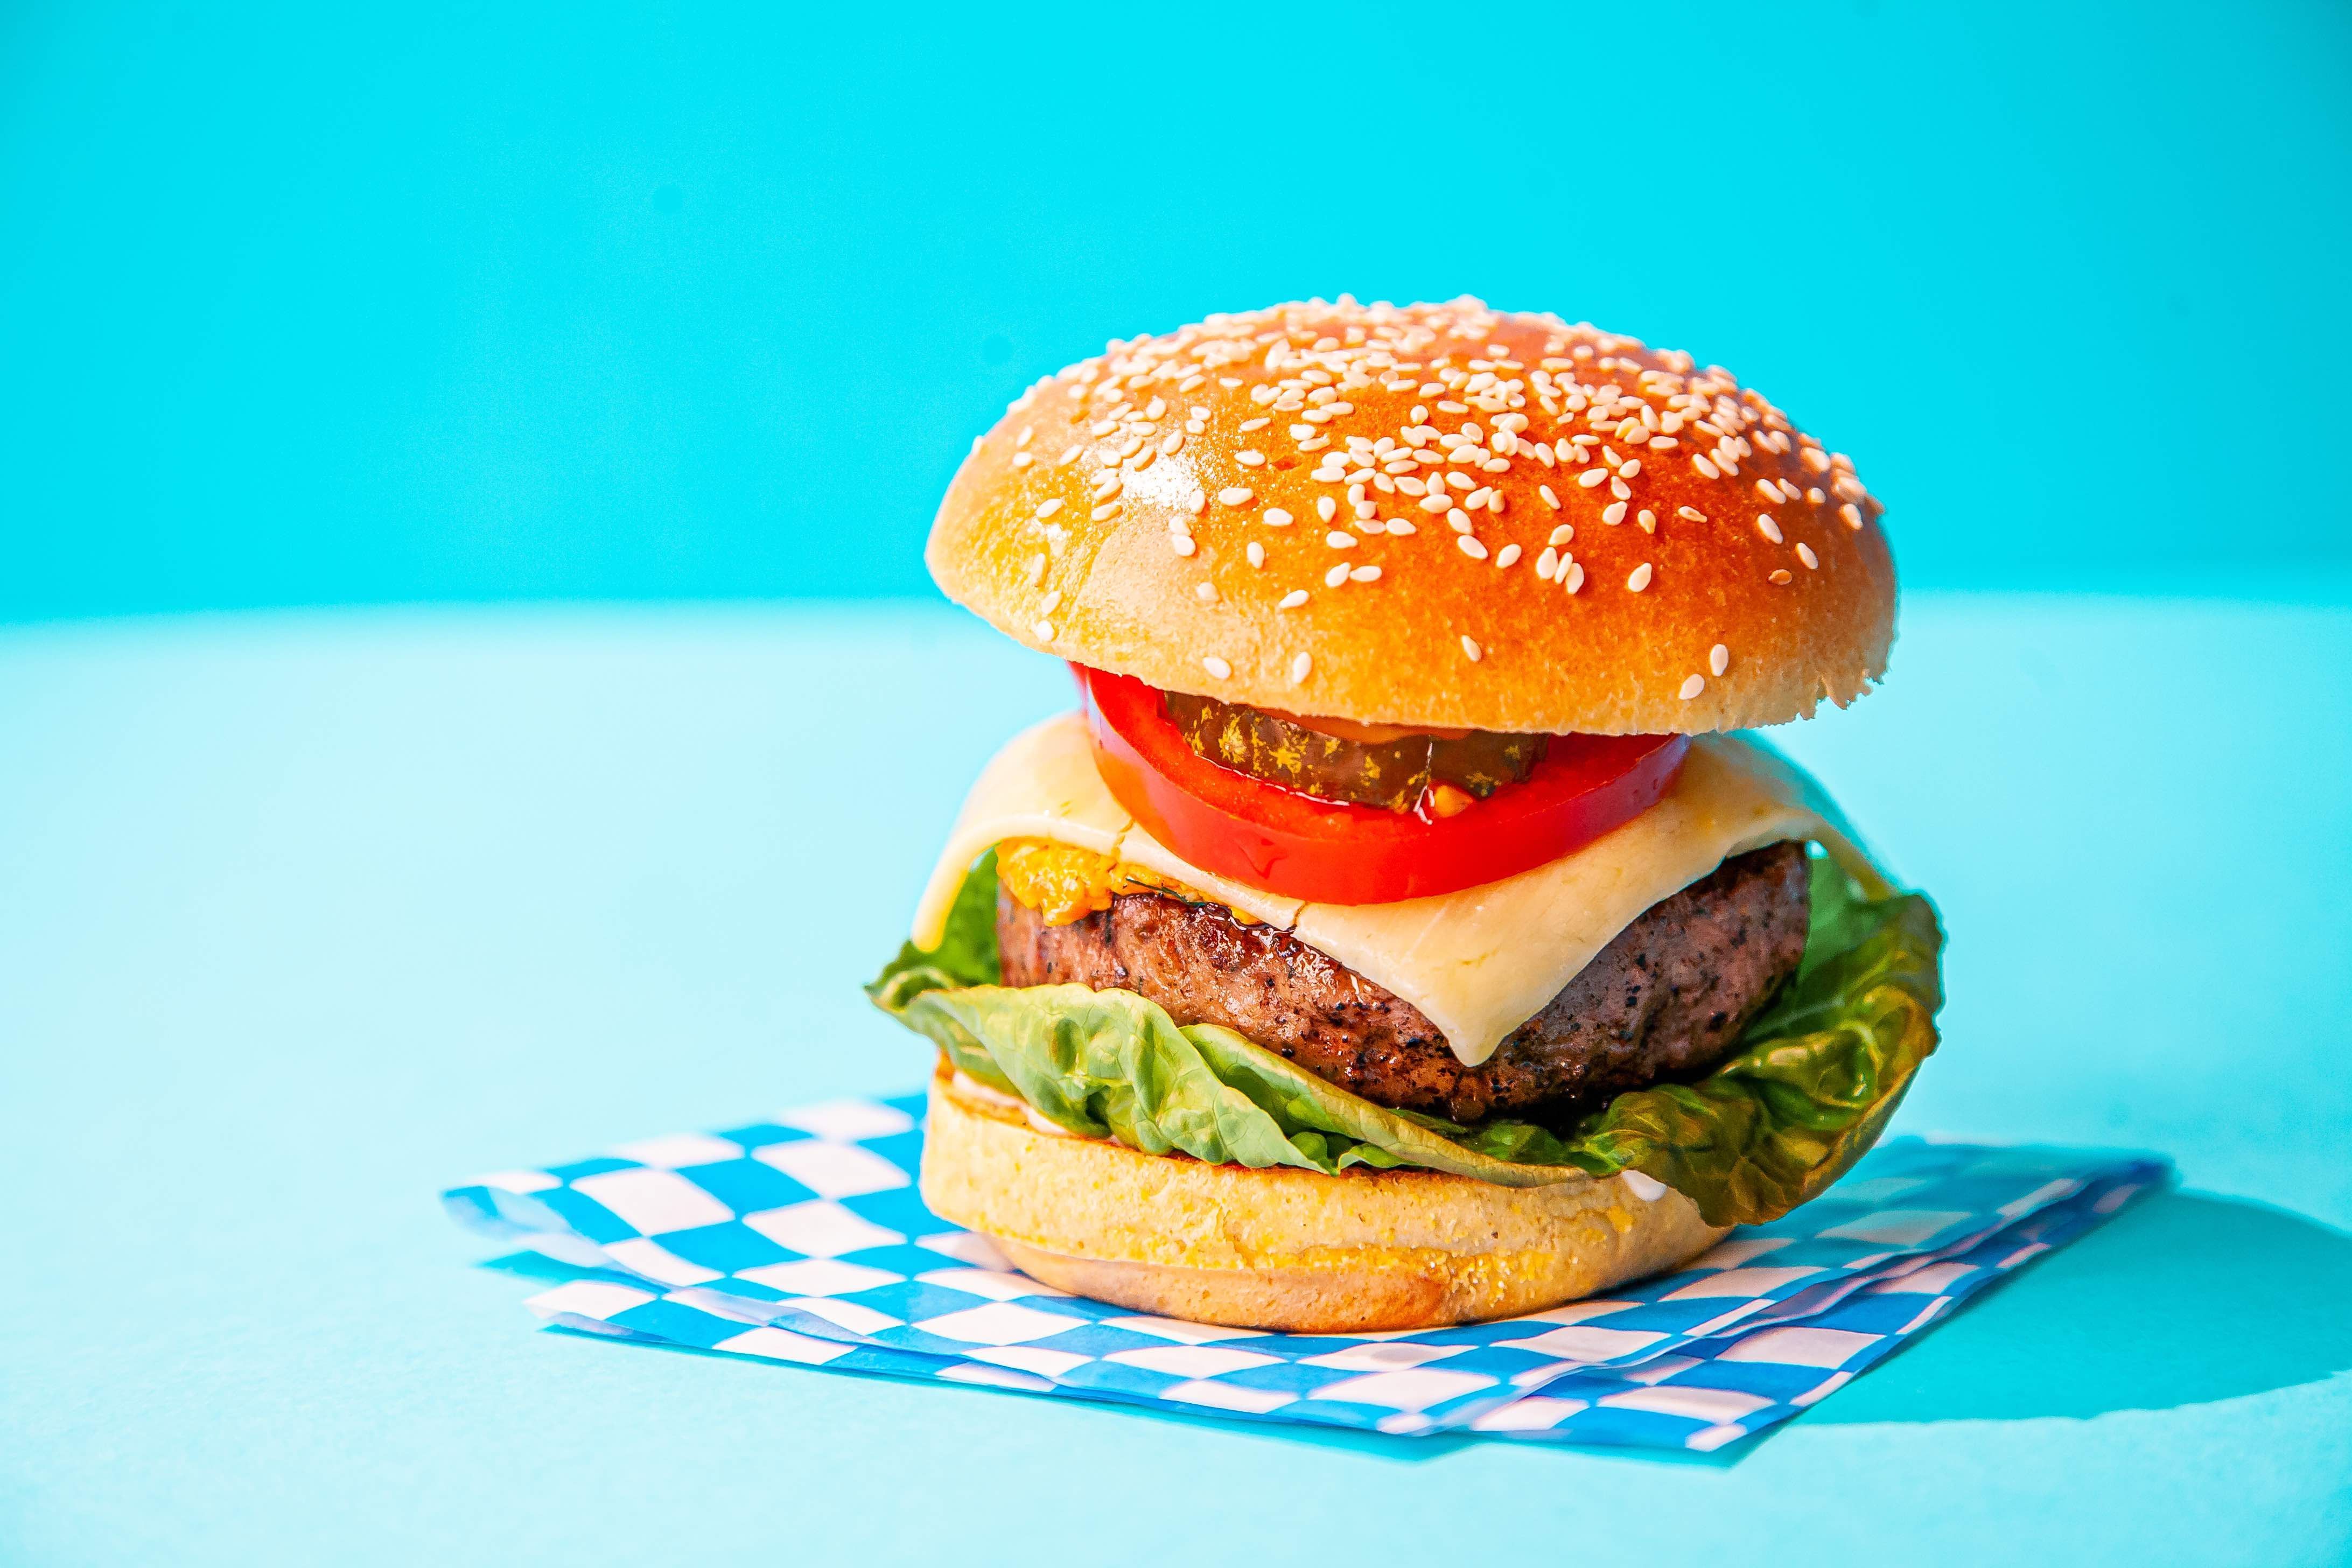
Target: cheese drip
[{"x": 1478, "y": 963}]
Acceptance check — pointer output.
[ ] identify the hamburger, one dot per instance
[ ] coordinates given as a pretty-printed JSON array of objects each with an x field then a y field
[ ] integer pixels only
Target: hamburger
[{"x": 1400, "y": 930}]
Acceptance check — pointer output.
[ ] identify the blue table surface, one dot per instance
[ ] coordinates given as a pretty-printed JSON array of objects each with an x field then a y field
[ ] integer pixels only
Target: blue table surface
[{"x": 305, "y": 916}]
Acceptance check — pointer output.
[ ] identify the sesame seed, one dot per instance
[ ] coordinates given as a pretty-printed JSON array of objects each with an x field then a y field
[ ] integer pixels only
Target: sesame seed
[
  {"x": 1690, "y": 513},
  {"x": 1023, "y": 459},
  {"x": 1107, "y": 510},
  {"x": 1172, "y": 443},
  {"x": 1050, "y": 602},
  {"x": 1217, "y": 666},
  {"x": 1592, "y": 478},
  {"x": 1550, "y": 499},
  {"x": 1505, "y": 555},
  {"x": 1468, "y": 544},
  {"x": 1562, "y": 534},
  {"x": 1249, "y": 459},
  {"x": 1256, "y": 551},
  {"x": 1436, "y": 501},
  {"x": 1233, "y": 495},
  {"x": 1363, "y": 573},
  {"x": 1324, "y": 508},
  {"x": 1470, "y": 648},
  {"x": 1613, "y": 513},
  {"x": 1338, "y": 540},
  {"x": 1619, "y": 488},
  {"x": 1399, "y": 525},
  {"x": 1206, "y": 592},
  {"x": 1852, "y": 514},
  {"x": 1718, "y": 658},
  {"x": 1048, "y": 508},
  {"x": 1258, "y": 424},
  {"x": 1335, "y": 576},
  {"x": 1181, "y": 543},
  {"x": 1574, "y": 577},
  {"x": 1546, "y": 564},
  {"x": 1805, "y": 554},
  {"x": 1766, "y": 526},
  {"x": 1693, "y": 686},
  {"x": 1301, "y": 666},
  {"x": 1292, "y": 600},
  {"x": 1781, "y": 578},
  {"x": 1198, "y": 502},
  {"x": 1641, "y": 576},
  {"x": 1648, "y": 519},
  {"x": 1368, "y": 509},
  {"x": 1629, "y": 468},
  {"x": 1706, "y": 468},
  {"x": 1769, "y": 490}
]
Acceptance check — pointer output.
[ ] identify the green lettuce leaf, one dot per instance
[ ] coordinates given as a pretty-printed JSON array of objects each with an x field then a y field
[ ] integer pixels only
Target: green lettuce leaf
[{"x": 1808, "y": 1089}]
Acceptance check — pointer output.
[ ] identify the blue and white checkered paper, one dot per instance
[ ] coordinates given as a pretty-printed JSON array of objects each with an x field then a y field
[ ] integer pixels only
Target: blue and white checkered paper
[{"x": 802, "y": 1238}]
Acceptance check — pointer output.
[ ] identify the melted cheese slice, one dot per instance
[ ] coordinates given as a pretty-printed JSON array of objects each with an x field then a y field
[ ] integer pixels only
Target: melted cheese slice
[
  {"x": 1479, "y": 962},
  {"x": 1043, "y": 784}
]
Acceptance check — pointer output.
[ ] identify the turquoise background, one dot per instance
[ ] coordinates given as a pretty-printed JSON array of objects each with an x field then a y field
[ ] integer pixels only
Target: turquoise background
[
  {"x": 309, "y": 916},
  {"x": 324, "y": 311},
  {"x": 304, "y": 304}
]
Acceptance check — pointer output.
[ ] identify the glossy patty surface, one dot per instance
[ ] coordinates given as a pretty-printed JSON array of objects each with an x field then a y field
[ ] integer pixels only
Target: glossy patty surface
[{"x": 1666, "y": 1000}]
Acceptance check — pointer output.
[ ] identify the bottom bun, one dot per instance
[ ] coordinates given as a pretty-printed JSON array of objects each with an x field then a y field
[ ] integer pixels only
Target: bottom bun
[{"x": 1282, "y": 1248}]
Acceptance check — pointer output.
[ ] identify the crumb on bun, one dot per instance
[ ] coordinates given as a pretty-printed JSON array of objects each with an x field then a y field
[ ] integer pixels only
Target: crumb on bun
[
  {"x": 1426, "y": 514},
  {"x": 1361, "y": 1252}
]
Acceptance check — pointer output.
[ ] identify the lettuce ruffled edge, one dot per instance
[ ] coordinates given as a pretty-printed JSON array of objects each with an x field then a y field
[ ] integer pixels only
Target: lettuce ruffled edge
[{"x": 1808, "y": 1089}]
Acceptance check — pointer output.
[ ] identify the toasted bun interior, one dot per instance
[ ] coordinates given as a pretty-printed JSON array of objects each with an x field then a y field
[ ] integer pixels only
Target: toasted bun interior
[
  {"x": 1360, "y": 1252},
  {"x": 1439, "y": 515}
]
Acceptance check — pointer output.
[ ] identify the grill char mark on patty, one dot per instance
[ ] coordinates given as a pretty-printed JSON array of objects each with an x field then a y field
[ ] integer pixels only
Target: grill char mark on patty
[{"x": 1666, "y": 1000}]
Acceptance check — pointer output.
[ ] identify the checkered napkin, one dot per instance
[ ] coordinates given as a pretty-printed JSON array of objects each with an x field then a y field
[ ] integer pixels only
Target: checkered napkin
[{"x": 803, "y": 1239}]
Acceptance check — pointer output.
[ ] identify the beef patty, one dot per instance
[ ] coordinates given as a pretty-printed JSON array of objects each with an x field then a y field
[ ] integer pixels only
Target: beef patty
[{"x": 1666, "y": 1000}]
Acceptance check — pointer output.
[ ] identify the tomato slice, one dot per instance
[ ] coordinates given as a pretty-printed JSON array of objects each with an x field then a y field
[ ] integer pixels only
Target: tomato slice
[{"x": 1327, "y": 853}]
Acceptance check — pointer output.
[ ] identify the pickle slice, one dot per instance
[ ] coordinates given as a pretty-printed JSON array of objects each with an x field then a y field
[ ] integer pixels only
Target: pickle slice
[{"x": 1390, "y": 773}]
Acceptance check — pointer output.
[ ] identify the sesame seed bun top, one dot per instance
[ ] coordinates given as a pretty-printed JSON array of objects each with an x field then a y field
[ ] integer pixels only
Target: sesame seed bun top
[{"x": 1428, "y": 514}]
